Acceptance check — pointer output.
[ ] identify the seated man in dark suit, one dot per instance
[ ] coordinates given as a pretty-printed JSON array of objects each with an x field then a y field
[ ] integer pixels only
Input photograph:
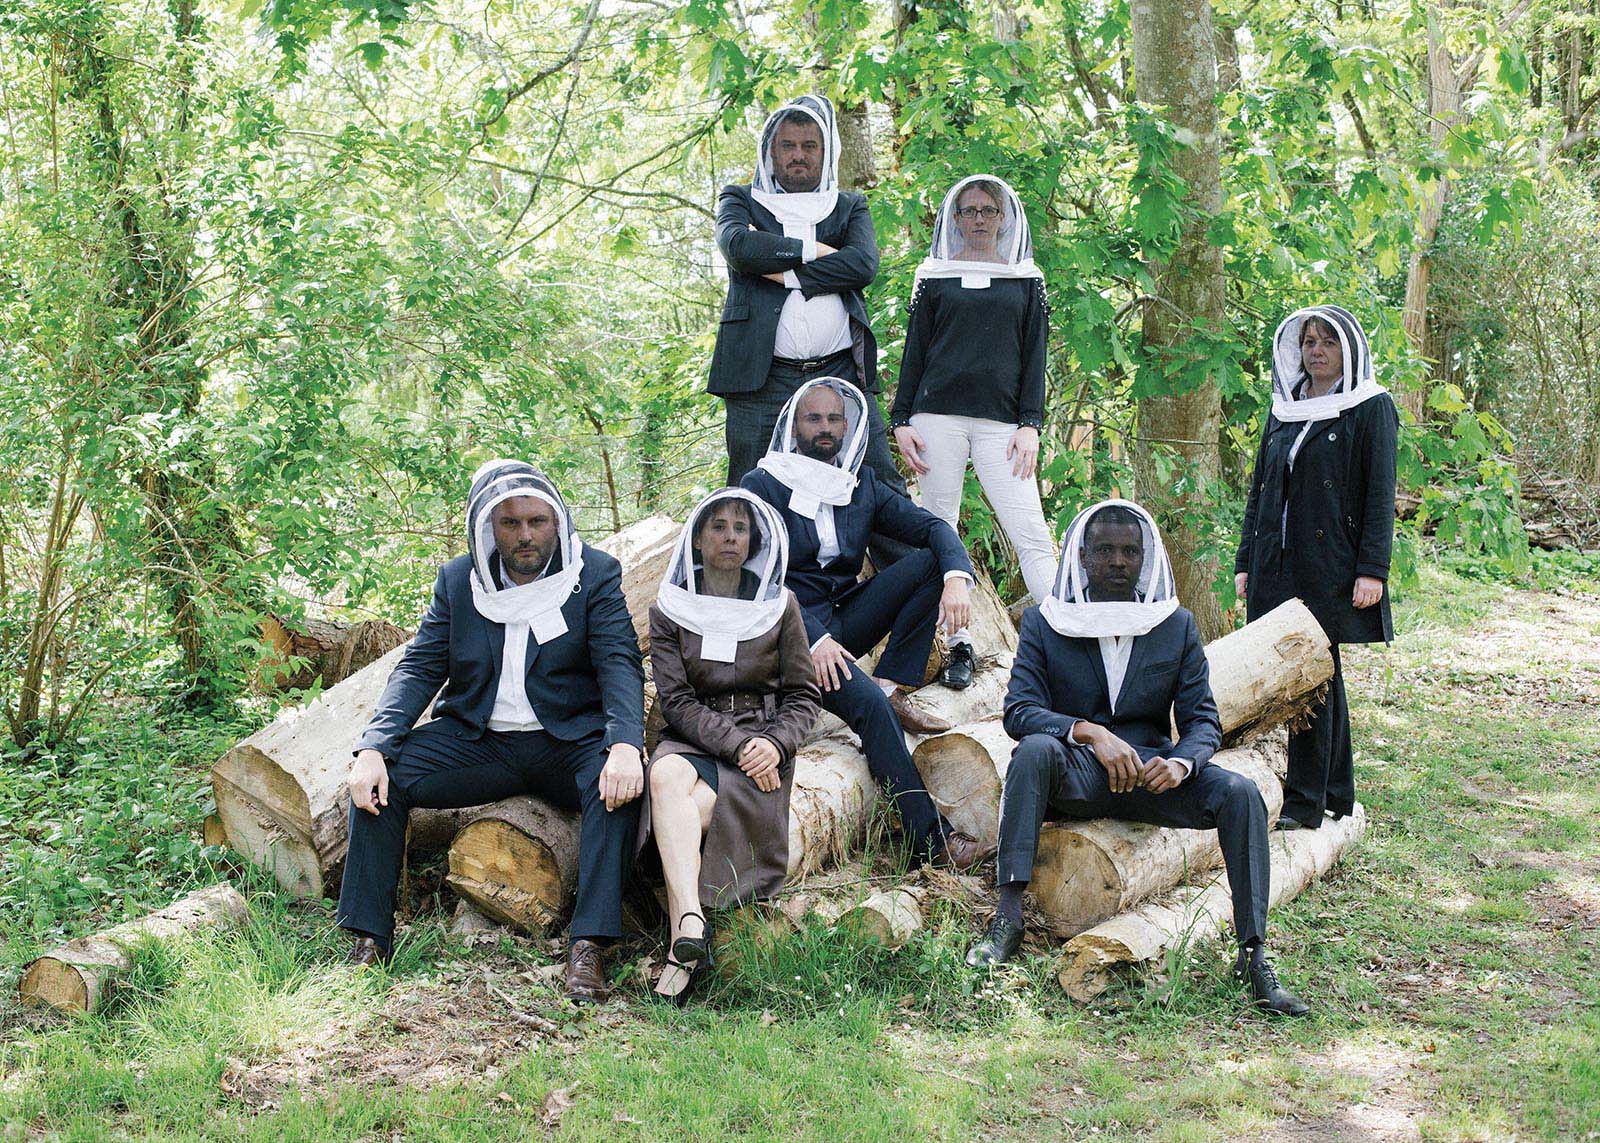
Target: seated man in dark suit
[
  {"x": 1102, "y": 667},
  {"x": 529, "y": 635},
  {"x": 812, "y": 474}
]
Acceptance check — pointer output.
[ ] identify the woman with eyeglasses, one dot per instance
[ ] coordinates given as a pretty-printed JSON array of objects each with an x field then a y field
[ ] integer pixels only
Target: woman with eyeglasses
[{"x": 972, "y": 377}]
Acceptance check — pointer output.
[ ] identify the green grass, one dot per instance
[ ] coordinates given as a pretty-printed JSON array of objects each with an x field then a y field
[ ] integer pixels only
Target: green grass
[{"x": 1452, "y": 961}]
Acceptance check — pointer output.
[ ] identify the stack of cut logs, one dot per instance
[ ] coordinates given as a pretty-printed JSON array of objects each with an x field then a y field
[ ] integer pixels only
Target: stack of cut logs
[{"x": 282, "y": 803}]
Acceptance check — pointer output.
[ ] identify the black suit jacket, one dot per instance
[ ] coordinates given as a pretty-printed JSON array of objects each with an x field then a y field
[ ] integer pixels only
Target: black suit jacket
[
  {"x": 1057, "y": 681},
  {"x": 874, "y": 508},
  {"x": 591, "y": 678},
  {"x": 749, "y": 325},
  {"x": 1341, "y": 519}
]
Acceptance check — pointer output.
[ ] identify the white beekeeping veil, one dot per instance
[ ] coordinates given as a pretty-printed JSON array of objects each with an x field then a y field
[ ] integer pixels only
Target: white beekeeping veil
[
  {"x": 799, "y": 213},
  {"x": 1071, "y": 612},
  {"x": 815, "y": 484},
  {"x": 723, "y": 623},
  {"x": 953, "y": 254},
  {"x": 537, "y": 604},
  {"x": 1357, "y": 384}
]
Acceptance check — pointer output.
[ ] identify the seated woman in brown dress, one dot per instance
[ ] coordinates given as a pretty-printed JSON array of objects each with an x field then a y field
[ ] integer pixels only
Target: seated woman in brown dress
[{"x": 736, "y": 685}]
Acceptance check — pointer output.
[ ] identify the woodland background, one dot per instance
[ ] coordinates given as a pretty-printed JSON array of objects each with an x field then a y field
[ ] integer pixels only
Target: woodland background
[{"x": 275, "y": 276}]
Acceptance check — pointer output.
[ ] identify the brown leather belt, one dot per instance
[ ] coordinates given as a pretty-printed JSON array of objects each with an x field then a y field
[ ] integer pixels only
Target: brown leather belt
[{"x": 733, "y": 701}]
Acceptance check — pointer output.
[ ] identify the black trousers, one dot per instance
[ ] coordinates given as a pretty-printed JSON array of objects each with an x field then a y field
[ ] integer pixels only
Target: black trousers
[
  {"x": 902, "y": 602},
  {"x": 1049, "y": 779},
  {"x": 438, "y": 769},
  {"x": 1322, "y": 766}
]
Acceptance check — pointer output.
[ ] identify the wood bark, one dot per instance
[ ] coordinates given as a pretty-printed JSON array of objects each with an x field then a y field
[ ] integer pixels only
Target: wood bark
[
  {"x": 1086, "y": 872},
  {"x": 962, "y": 770},
  {"x": 1093, "y": 960},
  {"x": 281, "y": 792},
  {"x": 1175, "y": 66},
  {"x": 1269, "y": 672},
  {"x": 333, "y": 650},
  {"x": 77, "y": 976},
  {"x": 517, "y": 861}
]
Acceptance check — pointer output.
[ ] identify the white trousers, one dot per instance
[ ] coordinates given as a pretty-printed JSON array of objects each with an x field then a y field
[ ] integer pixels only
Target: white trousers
[{"x": 951, "y": 442}]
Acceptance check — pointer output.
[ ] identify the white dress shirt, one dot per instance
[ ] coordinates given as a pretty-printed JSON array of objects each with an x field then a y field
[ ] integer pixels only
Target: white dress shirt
[
  {"x": 810, "y": 328},
  {"x": 513, "y": 712}
]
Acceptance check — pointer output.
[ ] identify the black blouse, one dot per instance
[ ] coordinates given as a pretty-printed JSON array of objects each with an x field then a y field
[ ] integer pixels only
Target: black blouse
[{"x": 975, "y": 353}]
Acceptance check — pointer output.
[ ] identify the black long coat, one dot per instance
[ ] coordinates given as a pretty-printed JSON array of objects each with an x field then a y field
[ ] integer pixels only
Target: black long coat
[
  {"x": 749, "y": 324},
  {"x": 1340, "y": 523}
]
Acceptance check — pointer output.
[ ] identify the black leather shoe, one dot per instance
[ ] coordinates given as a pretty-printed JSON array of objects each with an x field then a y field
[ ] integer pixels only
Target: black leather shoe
[
  {"x": 1285, "y": 822},
  {"x": 1000, "y": 943},
  {"x": 958, "y": 668},
  {"x": 365, "y": 953},
  {"x": 1268, "y": 993}
]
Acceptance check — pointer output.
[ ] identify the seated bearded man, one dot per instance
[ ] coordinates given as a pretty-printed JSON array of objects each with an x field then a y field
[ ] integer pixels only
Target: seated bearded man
[
  {"x": 1102, "y": 668},
  {"x": 543, "y": 693},
  {"x": 830, "y": 505}
]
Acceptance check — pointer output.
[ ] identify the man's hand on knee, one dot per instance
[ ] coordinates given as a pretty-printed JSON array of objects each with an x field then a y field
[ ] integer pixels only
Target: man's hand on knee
[
  {"x": 622, "y": 777},
  {"x": 1162, "y": 774},
  {"x": 955, "y": 605},
  {"x": 1120, "y": 760},
  {"x": 832, "y": 662},
  {"x": 369, "y": 781}
]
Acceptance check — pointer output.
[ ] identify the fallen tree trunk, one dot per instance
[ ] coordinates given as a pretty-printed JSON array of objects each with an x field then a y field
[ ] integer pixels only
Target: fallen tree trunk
[
  {"x": 517, "y": 861},
  {"x": 281, "y": 792},
  {"x": 1269, "y": 672},
  {"x": 889, "y": 918},
  {"x": 1142, "y": 938},
  {"x": 330, "y": 650},
  {"x": 962, "y": 769},
  {"x": 77, "y": 976},
  {"x": 1085, "y": 872}
]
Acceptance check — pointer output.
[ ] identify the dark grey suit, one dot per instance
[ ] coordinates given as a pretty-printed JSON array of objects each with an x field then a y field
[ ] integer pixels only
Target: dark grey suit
[
  {"x": 587, "y": 689},
  {"x": 1055, "y": 682},
  {"x": 752, "y": 383}
]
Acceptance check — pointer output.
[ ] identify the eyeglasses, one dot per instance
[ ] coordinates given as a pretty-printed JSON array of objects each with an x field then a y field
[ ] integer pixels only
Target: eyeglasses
[{"x": 987, "y": 213}]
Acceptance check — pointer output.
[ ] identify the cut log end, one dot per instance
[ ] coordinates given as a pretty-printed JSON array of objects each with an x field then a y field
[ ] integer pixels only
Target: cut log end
[
  {"x": 889, "y": 919},
  {"x": 53, "y": 982},
  {"x": 508, "y": 875}
]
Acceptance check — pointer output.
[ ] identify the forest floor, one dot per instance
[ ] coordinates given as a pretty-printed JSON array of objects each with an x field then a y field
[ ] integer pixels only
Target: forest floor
[{"x": 1452, "y": 961}]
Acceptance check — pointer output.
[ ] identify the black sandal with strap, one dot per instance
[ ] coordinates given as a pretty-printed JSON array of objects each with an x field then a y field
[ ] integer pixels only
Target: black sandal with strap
[{"x": 692, "y": 949}]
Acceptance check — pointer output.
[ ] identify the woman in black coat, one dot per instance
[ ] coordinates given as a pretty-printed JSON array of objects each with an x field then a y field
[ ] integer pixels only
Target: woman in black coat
[{"x": 1320, "y": 525}]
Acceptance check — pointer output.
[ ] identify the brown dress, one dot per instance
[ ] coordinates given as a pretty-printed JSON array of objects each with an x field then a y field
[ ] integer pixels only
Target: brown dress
[{"x": 745, "y": 855}]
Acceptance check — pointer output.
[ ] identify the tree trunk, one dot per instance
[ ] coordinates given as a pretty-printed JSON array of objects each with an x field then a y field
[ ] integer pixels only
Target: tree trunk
[
  {"x": 1445, "y": 91},
  {"x": 1175, "y": 64},
  {"x": 333, "y": 650},
  {"x": 889, "y": 918},
  {"x": 1144, "y": 937},
  {"x": 1269, "y": 672},
  {"x": 77, "y": 976}
]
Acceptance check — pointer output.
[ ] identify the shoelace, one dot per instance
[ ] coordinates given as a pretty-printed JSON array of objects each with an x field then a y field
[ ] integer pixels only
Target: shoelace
[
  {"x": 586, "y": 959},
  {"x": 1269, "y": 974}
]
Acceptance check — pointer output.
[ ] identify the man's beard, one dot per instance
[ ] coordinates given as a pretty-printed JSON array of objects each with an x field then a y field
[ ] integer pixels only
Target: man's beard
[
  {"x": 818, "y": 451},
  {"x": 525, "y": 563},
  {"x": 803, "y": 182}
]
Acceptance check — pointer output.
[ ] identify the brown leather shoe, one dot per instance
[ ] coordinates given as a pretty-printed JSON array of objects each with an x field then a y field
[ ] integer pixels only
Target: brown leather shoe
[
  {"x": 913, "y": 719},
  {"x": 964, "y": 853},
  {"x": 586, "y": 973},
  {"x": 365, "y": 953}
]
